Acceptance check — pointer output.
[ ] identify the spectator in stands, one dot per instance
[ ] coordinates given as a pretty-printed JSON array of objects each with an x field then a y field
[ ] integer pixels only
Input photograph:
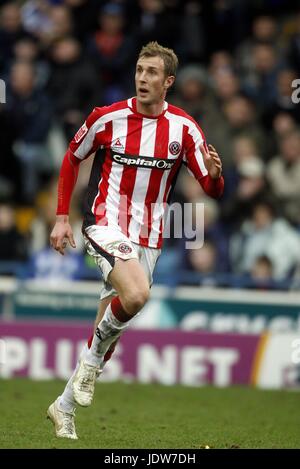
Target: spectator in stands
[
  {"x": 47, "y": 20},
  {"x": 74, "y": 85},
  {"x": 84, "y": 15},
  {"x": 220, "y": 61},
  {"x": 265, "y": 234},
  {"x": 226, "y": 85},
  {"x": 260, "y": 82},
  {"x": 192, "y": 91},
  {"x": 112, "y": 50},
  {"x": 27, "y": 50},
  {"x": 155, "y": 22},
  {"x": 192, "y": 40},
  {"x": 240, "y": 119},
  {"x": 261, "y": 275},
  {"x": 28, "y": 113},
  {"x": 11, "y": 30},
  {"x": 13, "y": 246},
  {"x": 36, "y": 18},
  {"x": 293, "y": 53},
  {"x": 250, "y": 187},
  {"x": 264, "y": 31},
  {"x": 202, "y": 222},
  {"x": 282, "y": 124},
  {"x": 203, "y": 260},
  {"x": 283, "y": 173},
  {"x": 282, "y": 102},
  {"x": 244, "y": 149},
  {"x": 61, "y": 24}
]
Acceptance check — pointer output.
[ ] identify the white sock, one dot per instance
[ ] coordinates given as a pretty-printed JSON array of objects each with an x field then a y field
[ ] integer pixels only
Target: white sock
[
  {"x": 108, "y": 330},
  {"x": 66, "y": 401},
  {"x": 104, "y": 362}
]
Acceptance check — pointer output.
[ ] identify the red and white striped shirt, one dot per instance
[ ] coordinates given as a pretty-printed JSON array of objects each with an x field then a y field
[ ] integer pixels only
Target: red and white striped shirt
[{"x": 135, "y": 167}]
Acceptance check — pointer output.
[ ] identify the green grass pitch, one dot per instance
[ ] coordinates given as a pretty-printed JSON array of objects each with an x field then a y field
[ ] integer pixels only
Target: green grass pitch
[{"x": 152, "y": 416}]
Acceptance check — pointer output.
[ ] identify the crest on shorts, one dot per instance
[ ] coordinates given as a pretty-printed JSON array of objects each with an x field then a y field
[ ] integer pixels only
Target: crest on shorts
[
  {"x": 124, "y": 248},
  {"x": 81, "y": 133},
  {"x": 174, "y": 148}
]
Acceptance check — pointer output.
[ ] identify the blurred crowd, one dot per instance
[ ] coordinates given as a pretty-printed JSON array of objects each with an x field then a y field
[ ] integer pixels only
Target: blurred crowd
[{"x": 239, "y": 65}]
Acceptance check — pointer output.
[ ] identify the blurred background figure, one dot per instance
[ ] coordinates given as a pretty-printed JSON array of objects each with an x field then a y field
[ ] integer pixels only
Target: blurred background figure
[
  {"x": 192, "y": 91},
  {"x": 283, "y": 172},
  {"x": 28, "y": 114},
  {"x": 261, "y": 273},
  {"x": 111, "y": 49},
  {"x": 73, "y": 102},
  {"x": 11, "y": 30},
  {"x": 13, "y": 245},
  {"x": 266, "y": 234}
]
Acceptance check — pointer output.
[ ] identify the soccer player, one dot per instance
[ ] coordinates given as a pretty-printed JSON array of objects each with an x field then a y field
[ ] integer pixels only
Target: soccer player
[{"x": 139, "y": 145}]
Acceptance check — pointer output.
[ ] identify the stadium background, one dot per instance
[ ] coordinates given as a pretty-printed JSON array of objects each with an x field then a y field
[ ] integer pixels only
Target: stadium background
[{"x": 227, "y": 314}]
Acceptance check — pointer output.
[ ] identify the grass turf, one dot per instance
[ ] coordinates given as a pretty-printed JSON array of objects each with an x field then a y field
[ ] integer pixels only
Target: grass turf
[{"x": 152, "y": 416}]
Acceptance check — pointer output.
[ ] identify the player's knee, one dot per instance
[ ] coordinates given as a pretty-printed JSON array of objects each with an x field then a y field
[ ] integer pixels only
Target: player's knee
[{"x": 134, "y": 300}]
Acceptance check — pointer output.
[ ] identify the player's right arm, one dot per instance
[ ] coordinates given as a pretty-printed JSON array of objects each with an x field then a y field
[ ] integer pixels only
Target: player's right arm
[
  {"x": 86, "y": 141},
  {"x": 62, "y": 231}
]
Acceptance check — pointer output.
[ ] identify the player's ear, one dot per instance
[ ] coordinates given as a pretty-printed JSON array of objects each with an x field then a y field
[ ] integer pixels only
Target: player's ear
[{"x": 169, "y": 81}]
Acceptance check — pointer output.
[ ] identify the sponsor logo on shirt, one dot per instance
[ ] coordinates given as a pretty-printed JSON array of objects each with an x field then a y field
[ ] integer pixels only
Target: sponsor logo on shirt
[
  {"x": 81, "y": 133},
  {"x": 142, "y": 161},
  {"x": 117, "y": 145}
]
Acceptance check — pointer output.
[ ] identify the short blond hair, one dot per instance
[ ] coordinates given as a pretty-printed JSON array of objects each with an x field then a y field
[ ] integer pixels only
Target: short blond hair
[{"x": 153, "y": 49}]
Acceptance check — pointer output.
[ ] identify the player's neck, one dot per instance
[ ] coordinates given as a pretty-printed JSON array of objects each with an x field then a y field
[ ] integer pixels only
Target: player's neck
[{"x": 150, "y": 109}]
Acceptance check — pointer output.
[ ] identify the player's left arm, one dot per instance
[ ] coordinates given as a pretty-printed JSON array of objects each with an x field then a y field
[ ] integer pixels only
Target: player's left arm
[{"x": 204, "y": 162}]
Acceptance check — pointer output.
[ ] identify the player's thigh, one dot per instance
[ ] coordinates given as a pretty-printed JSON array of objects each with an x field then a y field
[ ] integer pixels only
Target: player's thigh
[{"x": 128, "y": 277}]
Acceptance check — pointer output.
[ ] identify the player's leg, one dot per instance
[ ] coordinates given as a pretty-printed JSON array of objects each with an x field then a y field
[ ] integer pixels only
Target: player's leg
[
  {"x": 131, "y": 284},
  {"x": 129, "y": 278},
  {"x": 104, "y": 256},
  {"x": 66, "y": 402},
  {"x": 64, "y": 422},
  {"x": 104, "y": 302},
  {"x": 61, "y": 419},
  {"x": 62, "y": 411},
  {"x": 147, "y": 259}
]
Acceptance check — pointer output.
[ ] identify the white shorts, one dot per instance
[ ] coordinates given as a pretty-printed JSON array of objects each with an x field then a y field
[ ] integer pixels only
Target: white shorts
[{"x": 106, "y": 245}]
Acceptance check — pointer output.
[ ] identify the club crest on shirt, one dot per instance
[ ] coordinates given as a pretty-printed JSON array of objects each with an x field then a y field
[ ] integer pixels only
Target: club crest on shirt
[
  {"x": 174, "y": 148},
  {"x": 124, "y": 248},
  {"x": 81, "y": 133}
]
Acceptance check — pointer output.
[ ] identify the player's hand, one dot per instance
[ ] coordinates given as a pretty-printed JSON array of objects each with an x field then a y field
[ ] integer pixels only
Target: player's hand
[
  {"x": 62, "y": 234},
  {"x": 212, "y": 161}
]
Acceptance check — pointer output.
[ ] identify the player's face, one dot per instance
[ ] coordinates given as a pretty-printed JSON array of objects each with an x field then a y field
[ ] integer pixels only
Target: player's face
[{"x": 150, "y": 80}]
